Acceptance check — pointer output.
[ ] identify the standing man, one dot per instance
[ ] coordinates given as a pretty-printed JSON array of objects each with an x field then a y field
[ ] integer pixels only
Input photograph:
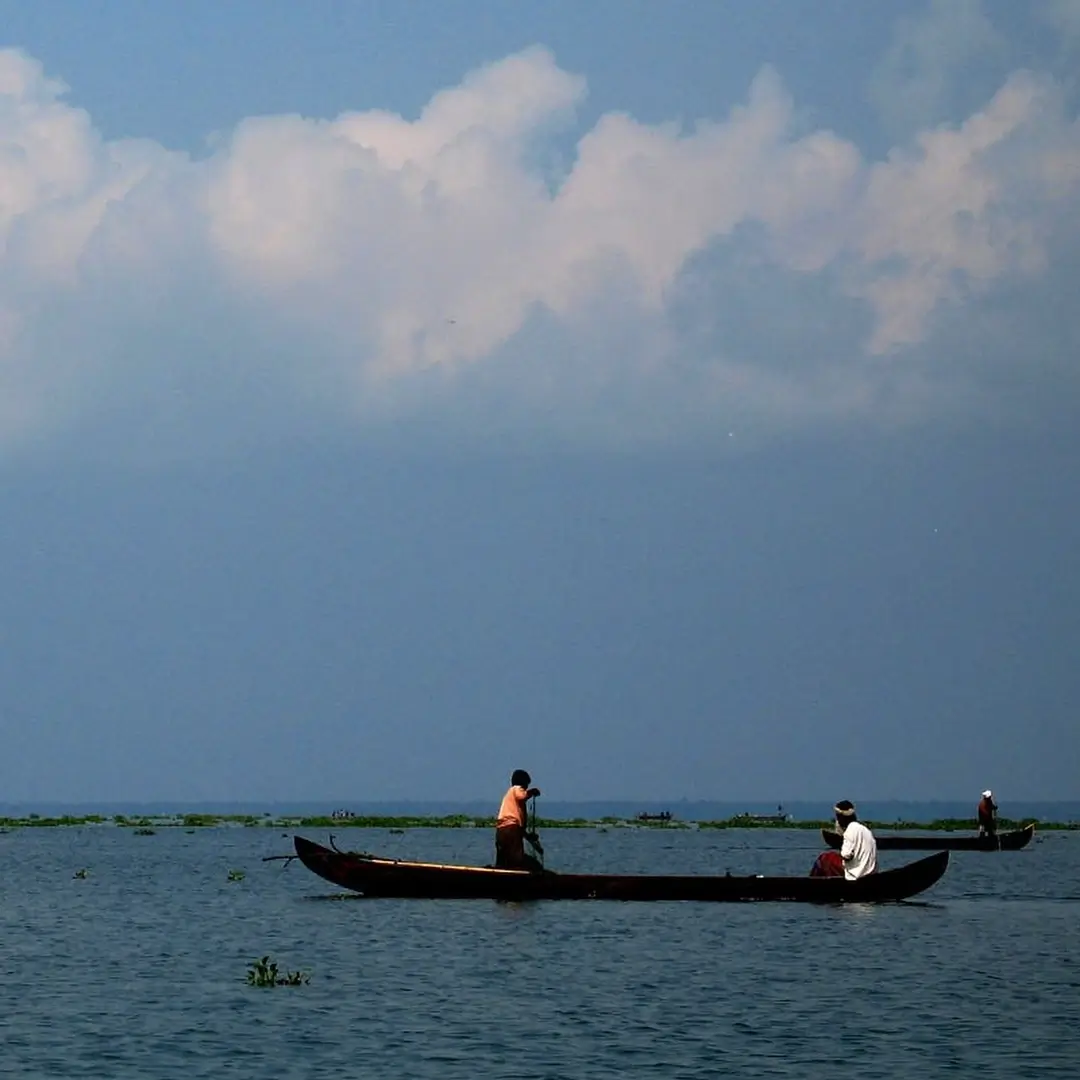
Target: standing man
[
  {"x": 859, "y": 849},
  {"x": 510, "y": 825},
  {"x": 987, "y": 814}
]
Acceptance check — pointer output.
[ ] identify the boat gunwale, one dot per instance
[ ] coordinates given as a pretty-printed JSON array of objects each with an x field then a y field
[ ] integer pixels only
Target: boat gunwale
[{"x": 339, "y": 868}]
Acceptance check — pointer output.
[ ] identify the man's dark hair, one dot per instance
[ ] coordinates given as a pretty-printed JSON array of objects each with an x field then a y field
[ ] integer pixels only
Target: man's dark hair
[{"x": 520, "y": 778}]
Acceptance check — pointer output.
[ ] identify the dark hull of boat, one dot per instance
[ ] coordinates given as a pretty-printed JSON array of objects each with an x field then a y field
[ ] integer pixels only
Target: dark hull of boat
[
  {"x": 1006, "y": 841},
  {"x": 373, "y": 876}
]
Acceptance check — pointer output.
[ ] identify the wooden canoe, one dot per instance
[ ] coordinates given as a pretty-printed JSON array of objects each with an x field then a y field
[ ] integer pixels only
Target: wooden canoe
[
  {"x": 1004, "y": 841},
  {"x": 374, "y": 876}
]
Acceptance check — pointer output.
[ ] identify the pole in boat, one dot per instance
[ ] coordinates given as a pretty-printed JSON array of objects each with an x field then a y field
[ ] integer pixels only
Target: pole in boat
[{"x": 530, "y": 831}]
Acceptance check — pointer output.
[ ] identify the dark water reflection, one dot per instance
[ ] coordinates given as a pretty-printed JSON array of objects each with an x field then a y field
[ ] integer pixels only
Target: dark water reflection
[{"x": 138, "y": 970}]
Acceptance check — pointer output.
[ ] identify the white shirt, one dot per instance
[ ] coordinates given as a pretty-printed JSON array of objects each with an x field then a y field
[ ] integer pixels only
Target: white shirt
[{"x": 859, "y": 851}]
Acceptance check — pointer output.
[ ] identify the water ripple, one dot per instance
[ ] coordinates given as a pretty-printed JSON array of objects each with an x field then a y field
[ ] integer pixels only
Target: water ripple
[{"x": 138, "y": 970}]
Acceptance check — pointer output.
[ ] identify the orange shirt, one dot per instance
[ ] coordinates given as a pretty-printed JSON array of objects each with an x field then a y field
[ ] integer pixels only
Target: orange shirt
[{"x": 512, "y": 810}]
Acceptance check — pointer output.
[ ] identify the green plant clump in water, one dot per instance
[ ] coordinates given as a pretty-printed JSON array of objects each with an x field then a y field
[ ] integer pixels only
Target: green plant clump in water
[
  {"x": 81, "y": 873},
  {"x": 264, "y": 972},
  {"x": 200, "y": 820},
  {"x": 236, "y": 875},
  {"x": 43, "y": 822},
  {"x": 450, "y": 821},
  {"x": 144, "y": 832},
  {"x": 741, "y": 821}
]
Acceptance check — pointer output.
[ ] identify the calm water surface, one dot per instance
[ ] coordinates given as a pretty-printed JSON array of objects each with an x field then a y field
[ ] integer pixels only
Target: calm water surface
[{"x": 139, "y": 969}]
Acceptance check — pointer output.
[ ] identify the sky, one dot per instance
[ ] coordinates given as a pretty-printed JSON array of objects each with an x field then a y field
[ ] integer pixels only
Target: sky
[{"x": 677, "y": 400}]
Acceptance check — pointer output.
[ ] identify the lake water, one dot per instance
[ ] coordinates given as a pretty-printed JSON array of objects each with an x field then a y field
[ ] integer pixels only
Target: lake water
[{"x": 139, "y": 969}]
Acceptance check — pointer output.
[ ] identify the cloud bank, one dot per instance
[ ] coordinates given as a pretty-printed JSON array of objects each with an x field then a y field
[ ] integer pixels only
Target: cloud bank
[{"x": 368, "y": 268}]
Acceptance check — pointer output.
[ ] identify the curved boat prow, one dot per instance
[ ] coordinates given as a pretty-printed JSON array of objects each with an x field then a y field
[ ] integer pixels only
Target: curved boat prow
[{"x": 930, "y": 872}]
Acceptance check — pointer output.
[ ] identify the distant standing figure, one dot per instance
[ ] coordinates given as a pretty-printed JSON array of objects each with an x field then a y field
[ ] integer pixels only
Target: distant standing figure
[
  {"x": 859, "y": 849},
  {"x": 511, "y": 824},
  {"x": 987, "y": 814}
]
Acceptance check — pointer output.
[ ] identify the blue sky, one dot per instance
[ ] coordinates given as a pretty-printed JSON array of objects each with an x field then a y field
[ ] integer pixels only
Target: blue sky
[{"x": 674, "y": 399}]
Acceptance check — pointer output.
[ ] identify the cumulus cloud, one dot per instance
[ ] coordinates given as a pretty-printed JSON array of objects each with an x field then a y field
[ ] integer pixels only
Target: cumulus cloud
[
  {"x": 371, "y": 264},
  {"x": 934, "y": 59}
]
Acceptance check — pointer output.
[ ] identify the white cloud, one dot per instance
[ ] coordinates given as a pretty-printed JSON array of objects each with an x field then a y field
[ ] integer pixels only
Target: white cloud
[
  {"x": 946, "y": 213},
  {"x": 931, "y": 62},
  {"x": 370, "y": 262}
]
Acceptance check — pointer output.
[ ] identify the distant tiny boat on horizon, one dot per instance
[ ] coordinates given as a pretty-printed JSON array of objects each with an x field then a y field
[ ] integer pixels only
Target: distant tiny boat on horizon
[{"x": 779, "y": 818}]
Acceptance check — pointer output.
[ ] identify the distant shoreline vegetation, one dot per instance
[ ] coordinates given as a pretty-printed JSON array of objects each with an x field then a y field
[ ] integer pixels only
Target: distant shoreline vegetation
[{"x": 141, "y": 823}]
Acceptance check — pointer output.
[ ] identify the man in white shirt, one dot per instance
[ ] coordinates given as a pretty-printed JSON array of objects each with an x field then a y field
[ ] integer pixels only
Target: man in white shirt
[{"x": 859, "y": 849}]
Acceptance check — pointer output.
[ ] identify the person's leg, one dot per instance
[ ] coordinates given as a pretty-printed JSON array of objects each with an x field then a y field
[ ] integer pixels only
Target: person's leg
[{"x": 509, "y": 847}]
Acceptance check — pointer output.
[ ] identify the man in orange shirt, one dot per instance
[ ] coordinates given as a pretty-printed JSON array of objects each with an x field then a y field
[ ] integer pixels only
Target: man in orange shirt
[{"x": 511, "y": 825}]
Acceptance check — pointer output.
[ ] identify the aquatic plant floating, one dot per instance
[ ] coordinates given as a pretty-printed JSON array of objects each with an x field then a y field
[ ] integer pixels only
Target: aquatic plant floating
[
  {"x": 236, "y": 875},
  {"x": 192, "y": 822},
  {"x": 83, "y": 872},
  {"x": 264, "y": 972}
]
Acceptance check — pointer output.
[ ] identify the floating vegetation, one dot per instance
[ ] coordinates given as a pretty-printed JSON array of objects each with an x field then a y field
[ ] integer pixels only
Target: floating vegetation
[
  {"x": 383, "y": 821},
  {"x": 81, "y": 873},
  {"x": 397, "y": 832},
  {"x": 264, "y": 972},
  {"x": 145, "y": 825},
  {"x": 37, "y": 821},
  {"x": 142, "y": 822},
  {"x": 236, "y": 875},
  {"x": 198, "y": 821}
]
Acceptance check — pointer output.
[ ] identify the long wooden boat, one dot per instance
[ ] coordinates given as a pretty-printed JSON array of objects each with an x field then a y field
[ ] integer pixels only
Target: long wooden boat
[
  {"x": 374, "y": 876},
  {"x": 1003, "y": 841}
]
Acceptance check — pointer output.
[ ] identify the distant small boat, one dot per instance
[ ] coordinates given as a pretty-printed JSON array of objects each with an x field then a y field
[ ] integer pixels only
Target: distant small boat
[
  {"x": 779, "y": 818},
  {"x": 1003, "y": 841},
  {"x": 374, "y": 876}
]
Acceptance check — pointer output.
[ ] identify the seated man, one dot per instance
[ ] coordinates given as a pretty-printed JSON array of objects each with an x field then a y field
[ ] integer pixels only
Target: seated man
[
  {"x": 987, "y": 814},
  {"x": 511, "y": 824},
  {"x": 859, "y": 849}
]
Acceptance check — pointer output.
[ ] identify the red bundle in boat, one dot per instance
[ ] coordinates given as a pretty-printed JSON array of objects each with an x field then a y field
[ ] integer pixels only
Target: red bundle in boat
[{"x": 828, "y": 864}]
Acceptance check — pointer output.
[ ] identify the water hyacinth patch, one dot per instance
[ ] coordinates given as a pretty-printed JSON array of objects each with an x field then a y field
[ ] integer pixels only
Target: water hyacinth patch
[{"x": 264, "y": 972}]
